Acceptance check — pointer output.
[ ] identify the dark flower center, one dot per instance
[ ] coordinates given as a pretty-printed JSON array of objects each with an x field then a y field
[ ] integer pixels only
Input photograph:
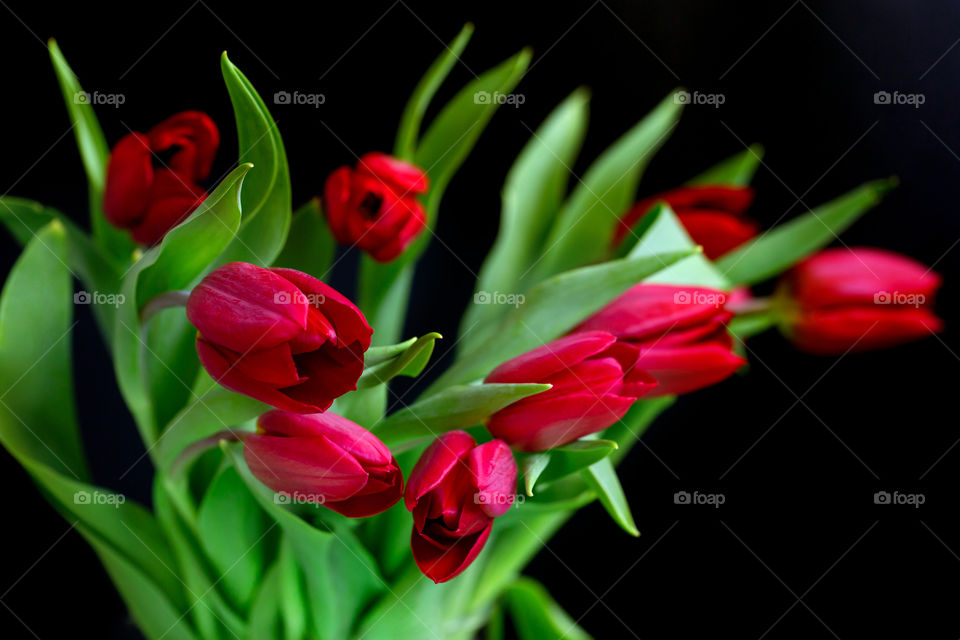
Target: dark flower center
[{"x": 370, "y": 205}]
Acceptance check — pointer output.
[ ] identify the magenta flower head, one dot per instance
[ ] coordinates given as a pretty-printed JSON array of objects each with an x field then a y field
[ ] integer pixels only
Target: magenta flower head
[
  {"x": 323, "y": 458},
  {"x": 594, "y": 380},
  {"x": 278, "y": 335},
  {"x": 455, "y": 491}
]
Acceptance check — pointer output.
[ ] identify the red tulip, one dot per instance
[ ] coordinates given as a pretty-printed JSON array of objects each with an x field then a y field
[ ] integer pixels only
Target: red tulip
[
  {"x": 147, "y": 199},
  {"x": 711, "y": 214},
  {"x": 278, "y": 335},
  {"x": 678, "y": 333},
  {"x": 374, "y": 206},
  {"x": 455, "y": 491},
  {"x": 323, "y": 458},
  {"x": 595, "y": 380},
  {"x": 858, "y": 299}
]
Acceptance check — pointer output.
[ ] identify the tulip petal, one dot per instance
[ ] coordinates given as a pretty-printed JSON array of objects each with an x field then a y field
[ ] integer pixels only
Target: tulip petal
[
  {"x": 348, "y": 321},
  {"x": 242, "y": 306},
  {"x": 495, "y": 474},
  {"x": 330, "y": 373},
  {"x": 687, "y": 368},
  {"x": 835, "y": 332},
  {"x": 551, "y": 358},
  {"x": 718, "y": 232},
  {"x": 436, "y": 462},
  {"x": 538, "y": 424},
  {"x": 399, "y": 174},
  {"x": 196, "y": 138},
  {"x": 441, "y": 565},
  {"x": 129, "y": 180}
]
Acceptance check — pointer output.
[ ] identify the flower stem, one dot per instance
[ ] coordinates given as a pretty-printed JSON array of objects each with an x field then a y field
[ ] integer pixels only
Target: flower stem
[{"x": 163, "y": 301}]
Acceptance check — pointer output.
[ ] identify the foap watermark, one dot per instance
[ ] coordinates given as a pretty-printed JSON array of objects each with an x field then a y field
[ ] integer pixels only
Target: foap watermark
[
  {"x": 298, "y": 97},
  {"x": 285, "y": 297},
  {"x": 497, "y": 97},
  {"x": 512, "y": 499},
  {"x": 695, "y": 296},
  {"x": 95, "y": 97},
  {"x": 99, "y": 497},
  {"x": 903, "y": 299},
  {"x": 298, "y": 497},
  {"x": 699, "y": 98},
  {"x": 899, "y": 498},
  {"x": 96, "y": 297},
  {"x": 498, "y": 297},
  {"x": 698, "y": 498},
  {"x": 897, "y": 98}
]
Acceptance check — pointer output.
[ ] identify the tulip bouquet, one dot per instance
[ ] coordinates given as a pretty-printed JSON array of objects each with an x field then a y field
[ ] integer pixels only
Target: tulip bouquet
[{"x": 288, "y": 501}]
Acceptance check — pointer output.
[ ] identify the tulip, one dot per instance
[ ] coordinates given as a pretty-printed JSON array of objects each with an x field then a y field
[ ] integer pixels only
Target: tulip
[
  {"x": 455, "y": 491},
  {"x": 278, "y": 335},
  {"x": 595, "y": 380},
  {"x": 857, "y": 299},
  {"x": 711, "y": 214},
  {"x": 323, "y": 458},
  {"x": 147, "y": 197},
  {"x": 678, "y": 334},
  {"x": 374, "y": 206}
]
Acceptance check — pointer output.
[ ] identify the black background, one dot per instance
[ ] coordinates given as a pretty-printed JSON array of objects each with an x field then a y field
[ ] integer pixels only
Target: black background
[{"x": 797, "y": 447}]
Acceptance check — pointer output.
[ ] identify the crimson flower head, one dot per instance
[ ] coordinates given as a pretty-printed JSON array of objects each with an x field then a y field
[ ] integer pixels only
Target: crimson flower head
[
  {"x": 278, "y": 335},
  {"x": 323, "y": 458},
  {"x": 374, "y": 205},
  {"x": 678, "y": 334},
  {"x": 594, "y": 378},
  {"x": 152, "y": 178},
  {"x": 455, "y": 491},
  {"x": 858, "y": 299},
  {"x": 711, "y": 214}
]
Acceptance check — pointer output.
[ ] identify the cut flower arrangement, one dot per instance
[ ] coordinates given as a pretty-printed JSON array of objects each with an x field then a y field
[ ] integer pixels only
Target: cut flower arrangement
[{"x": 287, "y": 501}]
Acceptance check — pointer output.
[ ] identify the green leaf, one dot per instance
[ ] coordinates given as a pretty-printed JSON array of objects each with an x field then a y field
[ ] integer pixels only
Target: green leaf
[
  {"x": 379, "y": 355},
  {"x": 784, "y": 245},
  {"x": 532, "y": 195},
  {"x": 94, "y": 153},
  {"x": 738, "y": 169},
  {"x": 154, "y": 614},
  {"x": 532, "y": 466},
  {"x": 25, "y": 219},
  {"x": 602, "y": 479},
  {"x": 409, "y": 363},
  {"x": 233, "y": 530},
  {"x": 265, "y": 620},
  {"x": 190, "y": 248},
  {"x": 409, "y": 130},
  {"x": 266, "y": 198},
  {"x": 385, "y": 288},
  {"x": 751, "y": 324},
  {"x": 537, "y": 616},
  {"x": 585, "y": 225},
  {"x": 36, "y": 380},
  {"x": 661, "y": 231},
  {"x": 570, "y": 458},
  {"x": 454, "y": 408},
  {"x": 310, "y": 247},
  {"x": 551, "y": 309},
  {"x": 341, "y": 576}
]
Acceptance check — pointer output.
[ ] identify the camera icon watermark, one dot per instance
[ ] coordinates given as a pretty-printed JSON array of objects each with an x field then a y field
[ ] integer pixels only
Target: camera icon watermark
[
  {"x": 497, "y": 97},
  {"x": 497, "y": 297},
  {"x": 698, "y": 98},
  {"x": 897, "y": 98},
  {"x": 512, "y": 499},
  {"x": 96, "y": 297},
  {"x": 901, "y": 299},
  {"x": 695, "y": 296},
  {"x": 99, "y": 497},
  {"x": 714, "y": 500},
  {"x": 299, "y": 98},
  {"x": 298, "y": 497},
  {"x": 312, "y": 299},
  {"x": 95, "y": 97},
  {"x": 898, "y": 498}
]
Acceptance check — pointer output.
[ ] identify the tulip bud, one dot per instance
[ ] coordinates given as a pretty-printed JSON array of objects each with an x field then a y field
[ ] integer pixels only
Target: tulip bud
[
  {"x": 678, "y": 334},
  {"x": 857, "y": 299},
  {"x": 455, "y": 491},
  {"x": 278, "y": 335},
  {"x": 150, "y": 200},
  {"x": 711, "y": 214},
  {"x": 595, "y": 380},
  {"x": 374, "y": 206},
  {"x": 323, "y": 458}
]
